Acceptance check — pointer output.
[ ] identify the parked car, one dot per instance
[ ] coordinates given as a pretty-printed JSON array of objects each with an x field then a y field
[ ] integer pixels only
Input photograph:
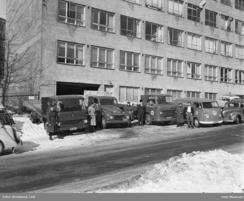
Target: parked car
[
  {"x": 234, "y": 111},
  {"x": 224, "y": 99},
  {"x": 206, "y": 111},
  {"x": 9, "y": 137}
]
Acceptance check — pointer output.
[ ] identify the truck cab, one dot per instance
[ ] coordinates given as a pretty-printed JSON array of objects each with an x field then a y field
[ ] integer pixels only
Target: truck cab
[
  {"x": 159, "y": 108},
  {"x": 109, "y": 113}
]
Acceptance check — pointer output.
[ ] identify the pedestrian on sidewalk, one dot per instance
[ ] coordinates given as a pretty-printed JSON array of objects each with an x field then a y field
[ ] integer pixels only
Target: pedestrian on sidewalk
[
  {"x": 92, "y": 115},
  {"x": 141, "y": 111},
  {"x": 180, "y": 115},
  {"x": 189, "y": 110},
  {"x": 51, "y": 123},
  {"x": 129, "y": 109}
]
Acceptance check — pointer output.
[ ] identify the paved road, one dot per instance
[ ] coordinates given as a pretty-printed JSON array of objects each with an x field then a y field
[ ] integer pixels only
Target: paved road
[{"x": 64, "y": 167}]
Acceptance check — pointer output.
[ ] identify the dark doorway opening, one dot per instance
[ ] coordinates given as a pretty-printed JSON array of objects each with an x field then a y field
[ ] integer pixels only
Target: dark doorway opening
[{"x": 66, "y": 88}]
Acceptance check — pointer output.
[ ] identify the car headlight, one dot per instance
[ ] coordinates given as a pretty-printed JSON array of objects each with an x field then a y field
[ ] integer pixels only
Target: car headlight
[
  {"x": 206, "y": 116},
  {"x": 232, "y": 116},
  {"x": 111, "y": 117},
  {"x": 160, "y": 113},
  {"x": 127, "y": 117},
  {"x": 59, "y": 123},
  {"x": 85, "y": 121}
]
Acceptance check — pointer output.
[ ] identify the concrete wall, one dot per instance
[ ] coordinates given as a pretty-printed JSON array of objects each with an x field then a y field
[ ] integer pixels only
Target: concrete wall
[{"x": 54, "y": 30}]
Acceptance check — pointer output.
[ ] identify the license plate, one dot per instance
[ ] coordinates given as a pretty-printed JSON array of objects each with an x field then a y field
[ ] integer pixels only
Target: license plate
[
  {"x": 73, "y": 129},
  {"x": 124, "y": 119},
  {"x": 169, "y": 117}
]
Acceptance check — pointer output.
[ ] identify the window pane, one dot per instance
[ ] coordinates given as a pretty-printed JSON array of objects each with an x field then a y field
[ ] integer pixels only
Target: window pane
[
  {"x": 136, "y": 59},
  {"x": 95, "y": 16},
  {"x": 62, "y": 8},
  {"x": 129, "y": 59},
  {"x": 103, "y": 18},
  {"x": 61, "y": 51},
  {"x": 79, "y": 52},
  {"x": 122, "y": 58},
  {"x": 94, "y": 54},
  {"x": 129, "y": 94},
  {"x": 122, "y": 93},
  {"x": 71, "y": 51},
  {"x": 80, "y": 13},
  {"x": 109, "y": 56}
]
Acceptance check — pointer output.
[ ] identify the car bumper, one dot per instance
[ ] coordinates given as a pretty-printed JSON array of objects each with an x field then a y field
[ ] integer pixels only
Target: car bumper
[
  {"x": 73, "y": 128},
  {"x": 164, "y": 119},
  {"x": 231, "y": 121},
  {"x": 211, "y": 122},
  {"x": 118, "y": 121}
]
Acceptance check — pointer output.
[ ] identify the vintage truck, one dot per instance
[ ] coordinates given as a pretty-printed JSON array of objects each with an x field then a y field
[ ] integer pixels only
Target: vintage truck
[
  {"x": 71, "y": 116},
  {"x": 160, "y": 110},
  {"x": 110, "y": 113}
]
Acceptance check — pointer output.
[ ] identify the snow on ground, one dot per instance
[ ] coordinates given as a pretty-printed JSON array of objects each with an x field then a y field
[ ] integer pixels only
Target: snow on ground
[{"x": 211, "y": 172}]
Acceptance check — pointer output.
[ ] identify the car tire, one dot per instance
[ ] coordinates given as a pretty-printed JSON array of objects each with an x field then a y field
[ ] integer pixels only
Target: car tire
[
  {"x": 1, "y": 148},
  {"x": 237, "y": 121},
  {"x": 104, "y": 123},
  {"x": 148, "y": 119},
  {"x": 196, "y": 122}
]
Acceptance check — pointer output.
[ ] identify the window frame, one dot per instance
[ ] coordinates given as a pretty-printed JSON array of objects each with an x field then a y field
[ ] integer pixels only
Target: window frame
[
  {"x": 196, "y": 9},
  {"x": 158, "y": 91},
  {"x": 211, "y": 40},
  {"x": 191, "y": 75},
  {"x": 150, "y": 65},
  {"x": 226, "y": 2},
  {"x": 67, "y": 4},
  {"x": 208, "y": 76},
  {"x": 231, "y": 19},
  {"x": 133, "y": 61},
  {"x": 208, "y": 94},
  {"x": 236, "y": 27},
  {"x": 224, "y": 78},
  {"x": 171, "y": 42},
  {"x": 129, "y": 33},
  {"x": 152, "y": 5},
  {"x": 208, "y": 21},
  {"x": 66, "y": 52},
  {"x": 177, "y": 74},
  {"x": 239, "y": 56},
  {"x": 238, "y": 5},
  {"x": 191, "y": 45},
  {"x": 154, "y": 38},
  {"x": 171, "y": 91},
  {"x": 225, "y": 53},
  {"x": 132, "y": 93},
  {"x": 107, "y": 27},
  {"x": 106, "y": 63},
  {"x": 191, "y": 92},
  {"x": 241, "y": 78},
  {"x": 173, "y": 12}
]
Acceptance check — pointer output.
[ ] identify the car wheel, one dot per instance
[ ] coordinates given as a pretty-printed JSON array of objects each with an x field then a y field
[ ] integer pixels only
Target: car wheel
[
  {"x": 196, "y": 122},
  {"x": 148, "y": 119},
  {"x": 1, "y": 148},
  {"x": 237, "y": 121},
  {"x": 104, "y": 123}
]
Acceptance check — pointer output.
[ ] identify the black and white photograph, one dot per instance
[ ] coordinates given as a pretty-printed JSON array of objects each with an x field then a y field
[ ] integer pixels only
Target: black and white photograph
[{"x": 121, "y": 97}]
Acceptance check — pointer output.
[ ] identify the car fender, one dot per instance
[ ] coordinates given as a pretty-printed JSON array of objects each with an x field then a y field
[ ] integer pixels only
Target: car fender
[{"x": 7, "y": 139}]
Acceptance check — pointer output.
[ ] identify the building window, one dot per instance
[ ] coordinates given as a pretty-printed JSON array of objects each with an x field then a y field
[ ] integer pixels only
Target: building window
[
  {"x": 175, "y": 68},
  {"x": 175, "y": 37},
  {"x": 225, "y": 75},
  {"x": 193, "y": 13},
  {"x": 102, "y": 20},
  {"x": 193, "y": 94},
  {"x": 153, "y": 65},
  {"x": 239, "y": 27},
  {"x": 210, "y": 18},
  {"x": 128, "y": 94},
  {"x": 176, "y": 7},
  {"x": 102, "y": 57},
  {"x": 134, "y": 1},
  {"x": 211, "y": 73},
  {"x": 71, "y": 13},
  {"x": 193, "y": 70},
  {"x": 226, "y": 2},
  {"x": 130, "y": 27},
  {"x": 152, "y": 91},
  {"x": 239, "y": 77},
  {"x": 226, "y": 23},
  {"x": 175, "y": 93},
  {"x": 239, "y": 4},
  {"x": 226, "y": 49},
  {"x": 154, "y": 32},
  {"x": 211, "y": 45},
  {"x": 129, "y": 61},
  {"x": 239, "y": 52},
  {"x": 157, "y": 4},
  {"x": 211, "y": 96},
  {"x": 194, "y": 41},
  {"x": 70, "y": 53}
]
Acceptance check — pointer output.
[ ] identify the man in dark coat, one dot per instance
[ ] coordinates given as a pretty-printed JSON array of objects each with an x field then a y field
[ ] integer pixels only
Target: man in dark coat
[
  {"x": 141, "y": 110},
  {"x": 189, "y": 110},
  {"x": 179, "y": 114},
  {"x": 51, "y": 123}
]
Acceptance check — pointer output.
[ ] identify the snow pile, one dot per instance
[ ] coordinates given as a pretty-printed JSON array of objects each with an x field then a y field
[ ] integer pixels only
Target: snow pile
[{"x": 212, "y": 172}]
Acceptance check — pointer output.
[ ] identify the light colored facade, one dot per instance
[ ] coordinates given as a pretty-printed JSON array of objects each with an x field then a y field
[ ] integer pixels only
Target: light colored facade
[{"x": 135, "y": 47}]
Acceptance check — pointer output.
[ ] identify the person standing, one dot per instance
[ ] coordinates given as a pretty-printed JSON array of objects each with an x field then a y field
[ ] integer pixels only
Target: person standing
[
  {"x": 179, "y": 114},
  {"x": 189, "y": 115},
  {"x": 129, "y": 109},
  {"x": 98, "y": 115},
  {"x": 141, "y": 110},
  {"x": 92, "y": 114},
  {"x": 51, "y": 123}
]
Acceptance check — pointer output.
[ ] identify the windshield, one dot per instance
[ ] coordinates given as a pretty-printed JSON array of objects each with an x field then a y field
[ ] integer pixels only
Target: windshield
[
  {"x": 4, "y": 119},
  {"x": 208, "y": 105},
  {"x": 165, "y": 99},
  {"x": 108, "y": 101},
  {"x": 233, "y": 105},
  {"x": 70, "y": 105}
]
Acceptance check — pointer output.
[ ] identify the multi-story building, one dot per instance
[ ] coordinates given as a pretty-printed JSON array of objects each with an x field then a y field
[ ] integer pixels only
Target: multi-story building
[
  {"x": 192, "y": 48},
  {"x": 2, "y": 46}
]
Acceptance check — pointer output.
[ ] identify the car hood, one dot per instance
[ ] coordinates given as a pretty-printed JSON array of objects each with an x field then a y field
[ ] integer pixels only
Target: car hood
[
  {"x": 225, "y": 110},
  {"x": 167, "y": 107},
  {"x": 112, "y": 109}
]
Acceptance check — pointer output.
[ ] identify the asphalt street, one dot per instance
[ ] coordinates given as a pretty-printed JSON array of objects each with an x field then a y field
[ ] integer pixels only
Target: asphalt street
[{"x": 59, "y": 167}]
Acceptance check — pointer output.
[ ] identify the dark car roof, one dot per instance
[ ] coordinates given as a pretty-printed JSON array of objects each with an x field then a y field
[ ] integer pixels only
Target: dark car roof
[
  {"x": 195, "y": 99},
  {"x": 236, "y": 101},
  {"x": 66, "y": 97}
]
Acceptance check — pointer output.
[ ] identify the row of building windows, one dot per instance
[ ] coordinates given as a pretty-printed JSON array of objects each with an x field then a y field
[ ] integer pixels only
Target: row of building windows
[
  {"x": 73, "y": 54},
  {"x": 132, "y": 93},
  {"x": 105, "y": 21}
]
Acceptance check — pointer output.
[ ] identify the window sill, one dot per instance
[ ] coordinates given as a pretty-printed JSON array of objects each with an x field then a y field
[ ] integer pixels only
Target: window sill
[
  {"x": 194, "y": 49},
  {"x": 103, "y": 31},
  {"x": 176, "y": 15},
  {"x": 102, "y": 68},
  {"x": 212, "y": 26},
  {"x": 226, "y": 56},
  {"x": 231, "y": 31},
  {"x": 194, "y": 78},
  {"x": 227, "y": 82},
  {"x": 212, "y": 80},
  {"x": 130, "y": 36},
  {"x": 154, "y": 74},
  {"x": 84, "y": 26},
  {"x": 241, "y": 59},
  {"x": 132, "y": 2},
  {"x": 67, "y": 64},
  {"x": 155, "y": 8},
  {"x": 154, "y": 41},
  {"x": 239, "y": 84},
  {"x": 175, "y": 76},
  {"x": 176, "y": 45},
  {"x": 212, "y": 53},
  {"x": 129, "y": 71},
  {"x": 196, "y": 21}
]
